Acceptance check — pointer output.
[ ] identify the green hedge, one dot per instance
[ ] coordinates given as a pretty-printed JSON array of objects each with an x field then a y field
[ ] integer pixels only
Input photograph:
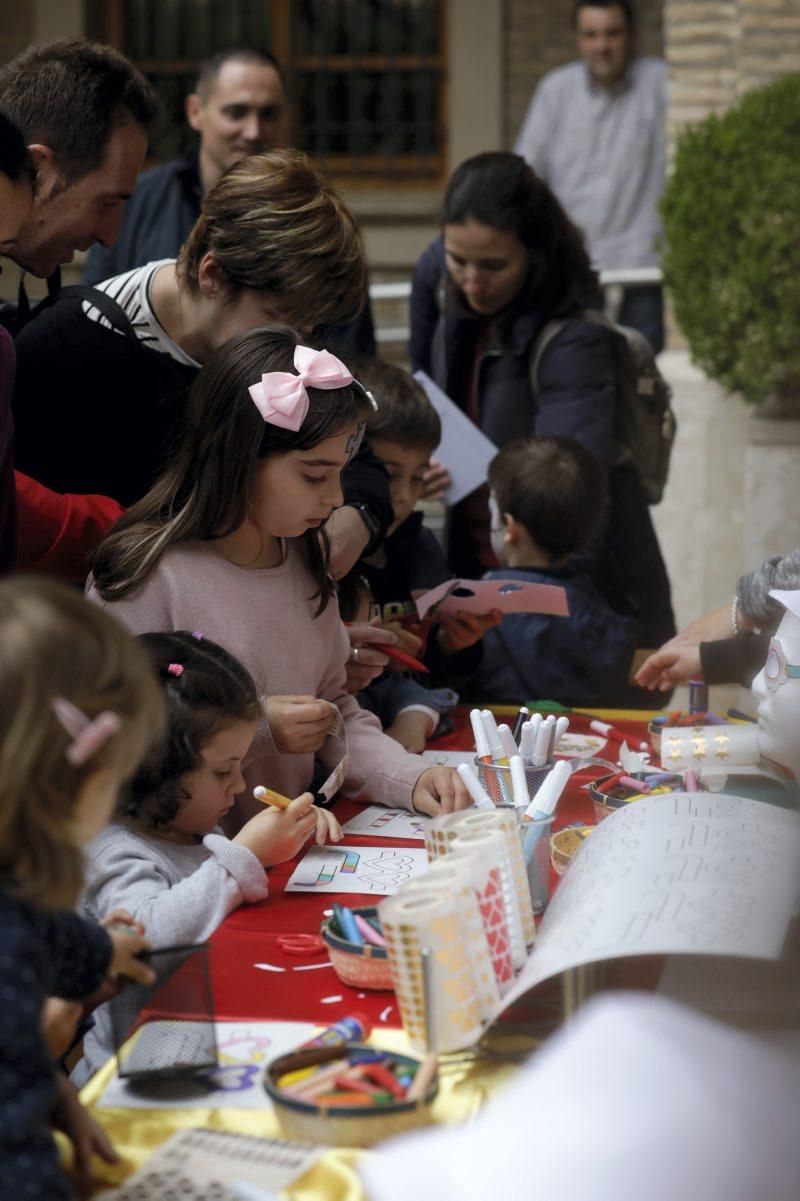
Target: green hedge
[{"x": 731, "y": 214}]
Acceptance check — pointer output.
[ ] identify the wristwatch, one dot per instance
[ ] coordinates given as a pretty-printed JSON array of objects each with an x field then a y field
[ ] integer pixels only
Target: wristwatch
[{"x": 370, "y": 521}]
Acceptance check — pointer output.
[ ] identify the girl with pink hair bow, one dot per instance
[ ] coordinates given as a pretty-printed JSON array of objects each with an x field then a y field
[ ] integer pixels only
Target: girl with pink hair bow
[{"x": 232, "y": 540}]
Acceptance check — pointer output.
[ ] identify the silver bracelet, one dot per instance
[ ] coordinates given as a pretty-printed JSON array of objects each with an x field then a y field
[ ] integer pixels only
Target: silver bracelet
[{"x": 735, "y": 615}]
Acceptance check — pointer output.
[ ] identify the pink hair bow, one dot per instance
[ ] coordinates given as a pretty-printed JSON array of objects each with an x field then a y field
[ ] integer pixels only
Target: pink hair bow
[
  {"x": 281, "y": 397},
  {"x": 88, "y": 734}
]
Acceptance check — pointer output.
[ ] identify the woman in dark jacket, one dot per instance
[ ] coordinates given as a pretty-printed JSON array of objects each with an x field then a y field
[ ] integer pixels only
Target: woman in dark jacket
[{"x": 508, "y": 261}]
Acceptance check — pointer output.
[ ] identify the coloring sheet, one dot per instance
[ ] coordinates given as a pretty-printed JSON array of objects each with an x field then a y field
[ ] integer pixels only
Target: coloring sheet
[
  {"x": 447, "y": 758},
  {"x": 243, "y": 1048},
  {"x": 373, "y": 870},
  {"x": 686, "y": 873},
  {"x": 376, "y": 821},
  {"x": 464, "y": 450},
  {"x": 479, "y": 596}
]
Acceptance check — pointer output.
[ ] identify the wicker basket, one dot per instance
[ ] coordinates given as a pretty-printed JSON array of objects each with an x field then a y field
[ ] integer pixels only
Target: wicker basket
[
  {"x": 360, "y": 966},
  {"x": 563, "y": 845},
  {"x": 342, "y": 1126}
]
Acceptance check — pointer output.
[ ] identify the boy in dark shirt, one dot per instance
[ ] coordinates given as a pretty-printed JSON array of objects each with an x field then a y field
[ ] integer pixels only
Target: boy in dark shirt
[{"x": 547, "y": 495}]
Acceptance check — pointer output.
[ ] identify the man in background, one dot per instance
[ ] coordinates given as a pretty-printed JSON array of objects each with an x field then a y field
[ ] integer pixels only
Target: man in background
[
  {"x": 594, "y": 131},
  {"x": 239, "y": 108}
]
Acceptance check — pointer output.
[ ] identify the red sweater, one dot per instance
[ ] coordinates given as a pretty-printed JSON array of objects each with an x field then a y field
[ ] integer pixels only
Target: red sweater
[{"x": 59, "y": 531}]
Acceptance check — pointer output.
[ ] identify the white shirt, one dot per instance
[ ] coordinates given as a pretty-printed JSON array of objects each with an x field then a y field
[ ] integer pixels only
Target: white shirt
[
  {"x": 131, "y": 290},
  {"x": 602, "y": 151}
]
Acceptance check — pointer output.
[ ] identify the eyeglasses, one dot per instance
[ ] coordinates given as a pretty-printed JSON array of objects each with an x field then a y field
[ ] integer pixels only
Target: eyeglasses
[{"x": 776, "y": 670}]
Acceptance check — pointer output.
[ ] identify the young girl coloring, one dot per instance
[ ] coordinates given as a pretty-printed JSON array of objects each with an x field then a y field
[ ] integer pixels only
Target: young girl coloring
[
  {"x": 165, "y": 859},
  {"x": 231, "y": 541},
  {"x": 78, "y": 709}
]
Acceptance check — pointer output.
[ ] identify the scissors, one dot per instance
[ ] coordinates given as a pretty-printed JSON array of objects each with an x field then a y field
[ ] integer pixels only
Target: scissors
[{"x": 300, "y": 944}]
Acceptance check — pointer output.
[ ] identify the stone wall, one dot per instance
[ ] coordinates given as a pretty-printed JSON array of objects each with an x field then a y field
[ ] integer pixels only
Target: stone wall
[{"x": 539, "y": 37}]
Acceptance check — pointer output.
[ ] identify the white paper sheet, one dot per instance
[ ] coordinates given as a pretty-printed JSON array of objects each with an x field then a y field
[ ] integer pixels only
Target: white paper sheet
[
  {"x": 683, "y": 873},
  {"x": 464, "y": 450},
  {"x": 376, "y": 821},
  {"x": 360, "y": 869},
  {"x": 447, "y": 758},
  {"x": 243, "y": 1050},
  {"x": 480, "y": 596}
]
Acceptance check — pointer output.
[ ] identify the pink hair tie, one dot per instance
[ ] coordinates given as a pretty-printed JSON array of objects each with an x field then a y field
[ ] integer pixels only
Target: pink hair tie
[
  {"x": 175, "y": 669},
  {"x": 88, "y": 734},
  {"x": 198, "y": 635},
  {"x": 281, "y": 398}
]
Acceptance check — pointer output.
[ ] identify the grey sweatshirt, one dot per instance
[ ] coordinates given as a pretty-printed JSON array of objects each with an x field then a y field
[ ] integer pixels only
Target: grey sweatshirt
[
  {"x": 753, "y": 590},
  {"x": 180, "y": 894},
  {"x": 265, "y": 616}
]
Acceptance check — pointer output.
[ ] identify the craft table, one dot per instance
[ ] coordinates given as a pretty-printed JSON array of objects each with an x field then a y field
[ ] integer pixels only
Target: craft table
[{"x": 242, "y": 991}]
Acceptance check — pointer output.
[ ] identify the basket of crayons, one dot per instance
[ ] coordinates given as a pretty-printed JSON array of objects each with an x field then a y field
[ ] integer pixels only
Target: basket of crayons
[
  {"x": 564, "y": 843},
  {"x": 357, "y": 948},
  {"x": 351, "y": 1095},
  {"x": 610, "y": 793}
]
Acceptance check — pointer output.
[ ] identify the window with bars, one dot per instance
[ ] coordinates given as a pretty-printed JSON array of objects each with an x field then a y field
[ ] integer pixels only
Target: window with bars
[{"x": 366, "y": 78}]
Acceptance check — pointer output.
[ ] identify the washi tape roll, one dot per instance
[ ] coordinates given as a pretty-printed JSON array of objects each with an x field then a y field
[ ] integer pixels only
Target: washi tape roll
[
  {"x": 487, "y": 884},
  {"x": 444, "y": 876},
  {"x": 508, "y": 821},
  {"x": 413, "y": 920},
  {"x": 440, "y": 832},
  {"x": 492, "y": 847}
]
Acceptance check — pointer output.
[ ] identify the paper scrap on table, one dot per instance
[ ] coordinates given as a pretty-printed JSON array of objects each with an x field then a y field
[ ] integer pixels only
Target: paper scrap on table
[
  {"x": 243, "y": 1049},
  {"x": 447, "y": 758},
  {"x": 479, "y": 596},
  {"x": 464, "y": 449},
  {"x": 709, "y": 746},
  {"x": 579, "y": 746},
  {"x": 376, "y": 821},
  {"x": 378, "y": 871}
]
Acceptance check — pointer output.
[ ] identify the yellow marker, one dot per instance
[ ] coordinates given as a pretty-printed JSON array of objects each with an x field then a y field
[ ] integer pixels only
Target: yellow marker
[{"x": 268, "y": 796}]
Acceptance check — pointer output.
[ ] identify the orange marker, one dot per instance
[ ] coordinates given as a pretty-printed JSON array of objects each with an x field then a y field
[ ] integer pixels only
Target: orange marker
[{"x": 268, "y": 796}]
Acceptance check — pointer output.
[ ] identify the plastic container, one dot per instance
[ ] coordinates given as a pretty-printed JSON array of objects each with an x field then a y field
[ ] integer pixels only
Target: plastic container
[
  {"x": 359, "y": 966},
  {"x": 343, "y": 1126}
]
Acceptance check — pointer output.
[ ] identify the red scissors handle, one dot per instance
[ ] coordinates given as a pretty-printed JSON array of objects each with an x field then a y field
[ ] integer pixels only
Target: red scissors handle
[{"x": 300, "y": 944}]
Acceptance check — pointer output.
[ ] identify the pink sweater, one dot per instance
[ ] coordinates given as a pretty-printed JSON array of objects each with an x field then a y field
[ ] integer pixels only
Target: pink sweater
[{"x": 265, "y": 617}]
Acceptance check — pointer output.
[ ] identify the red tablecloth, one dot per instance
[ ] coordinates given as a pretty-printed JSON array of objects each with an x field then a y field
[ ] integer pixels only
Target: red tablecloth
[{"x": 250, "y": 935}]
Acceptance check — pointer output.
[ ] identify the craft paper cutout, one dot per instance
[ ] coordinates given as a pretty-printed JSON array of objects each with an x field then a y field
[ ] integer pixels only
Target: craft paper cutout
[
  {"x": 464, "y": 450},
  {"x": 361, "y": 869},
  {"x": 479, "y": 596},
  {"x": 376, "y": 821}
]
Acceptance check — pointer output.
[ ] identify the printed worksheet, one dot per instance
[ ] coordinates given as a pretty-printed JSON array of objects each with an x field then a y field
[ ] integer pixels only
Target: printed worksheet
[
  {"x": 373, "y": 870},
  {"x": 376, "y": 821},
  {"x": 243, "y": 1049}
]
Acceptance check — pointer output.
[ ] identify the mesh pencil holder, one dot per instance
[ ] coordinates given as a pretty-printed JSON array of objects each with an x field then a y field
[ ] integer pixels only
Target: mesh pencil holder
[
  {"x": 535, "y": 843},
  {"x": 496, "y": 780}
]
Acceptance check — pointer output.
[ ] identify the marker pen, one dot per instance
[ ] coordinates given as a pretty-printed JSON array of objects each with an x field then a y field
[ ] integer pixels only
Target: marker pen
[
  {"x": 496, "y": 748},
  {"x": 480, "y": 797},
  {"x": 509, "y": 745},
  {"x": 546, "y": 799},
  {"x": 519, "y": 783},
  {"x": 562, "y": 725},
  {"x": 481, "y": 742},
  {"x": 602, "y": 727},
  {"x": 542, "y": 742},
  {"x": 522, "y": 716}
]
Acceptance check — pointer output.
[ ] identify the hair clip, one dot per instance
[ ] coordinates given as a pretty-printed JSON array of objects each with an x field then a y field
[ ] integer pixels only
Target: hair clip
[
  {"x": 175, "y": 669},
  {"x": 281, "y": 398},
  {"x": 198, "y": 635},
  {"x": 88, "y": 734}
]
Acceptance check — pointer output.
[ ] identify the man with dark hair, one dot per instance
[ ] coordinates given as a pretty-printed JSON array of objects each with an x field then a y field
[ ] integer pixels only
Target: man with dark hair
[
  {"x": 238, "y": 108},
  {"x": 594, "y": 131},
  {"x": 84, "y": 112}
]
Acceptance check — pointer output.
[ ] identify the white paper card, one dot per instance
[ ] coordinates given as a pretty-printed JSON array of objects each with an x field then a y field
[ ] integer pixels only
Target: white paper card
[
  {"x": 374, "y": 870},
  {"x": 447, "y": 758},
  {"x": 376, "y": 821},
  {"x": 464, "y": 450},
  {"x": 243, "y": 1049}
]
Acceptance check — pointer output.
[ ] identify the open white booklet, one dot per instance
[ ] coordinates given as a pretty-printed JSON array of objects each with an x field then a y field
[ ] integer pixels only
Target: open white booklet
[{"x": 698, "y": 874}]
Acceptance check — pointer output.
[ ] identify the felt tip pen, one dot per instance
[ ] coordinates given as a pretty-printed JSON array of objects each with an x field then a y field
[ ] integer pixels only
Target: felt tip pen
[
  {"x": 602, "y": 727},
  {"x": 519, "y": 783},
  {"x": 479, "y": 733},
  {"x": 562, "y": 725},
  {"x": 396, "y": 653},
  {"x": 522, "y": 716},
  {"x": 526, "y": 741},
  {"x": 472, "y": 784},
  {"x": 539, "y": 757},
  {"x": 268, "y": 796},
  {"x": 545, "y": 801},
  {"x": 507, "y": 739},
  {"x": 499, "y": 756}
]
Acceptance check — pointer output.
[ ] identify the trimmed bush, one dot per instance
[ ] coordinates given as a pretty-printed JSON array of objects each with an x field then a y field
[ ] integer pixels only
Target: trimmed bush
[{"x": 731, "y": 214}]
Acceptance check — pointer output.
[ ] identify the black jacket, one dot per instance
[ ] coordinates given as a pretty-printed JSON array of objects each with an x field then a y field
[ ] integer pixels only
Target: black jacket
[
  {"x": 158, "y": 220},
  {"x": 577, "y": 399}
]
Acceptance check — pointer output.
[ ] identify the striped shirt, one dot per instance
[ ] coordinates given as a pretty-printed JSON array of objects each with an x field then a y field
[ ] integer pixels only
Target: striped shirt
[{"x": 131, "y": 291}]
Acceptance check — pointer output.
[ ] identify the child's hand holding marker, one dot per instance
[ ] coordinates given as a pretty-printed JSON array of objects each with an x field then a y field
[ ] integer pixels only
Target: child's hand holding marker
[
  {"x": 299, "y": 724},
  {"x": 280, "y": 832}
]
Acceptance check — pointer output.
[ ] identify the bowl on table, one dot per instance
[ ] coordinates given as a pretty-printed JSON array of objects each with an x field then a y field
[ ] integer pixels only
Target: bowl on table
[
  {"x": 343, "y": 1126},
  {"x": 360, "y": 965},
  {"x": 607, "y": 802},
  {"x": 564, "y": 843}
]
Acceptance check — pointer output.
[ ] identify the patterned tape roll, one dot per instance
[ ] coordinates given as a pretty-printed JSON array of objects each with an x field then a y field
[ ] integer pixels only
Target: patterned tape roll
[
  {"x": 709, "y": 746},
  {"x": 487, "y": 883},
  {"x": 440, "y": 832},
  {"x": 410, "y": 921},
  {"x": 507, "y": 821},
  {"x": 492, "y": 846},
  {"x": 444, "y": 876}
]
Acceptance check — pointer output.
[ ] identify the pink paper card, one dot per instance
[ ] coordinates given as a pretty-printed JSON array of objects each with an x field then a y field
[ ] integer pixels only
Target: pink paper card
[{"x": 480, "y": 596}]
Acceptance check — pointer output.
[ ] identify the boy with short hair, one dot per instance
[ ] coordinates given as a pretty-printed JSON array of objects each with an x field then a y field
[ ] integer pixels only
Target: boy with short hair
[
  {"x": 547, "y": 495},
  {"x": 403, "y": 433}
]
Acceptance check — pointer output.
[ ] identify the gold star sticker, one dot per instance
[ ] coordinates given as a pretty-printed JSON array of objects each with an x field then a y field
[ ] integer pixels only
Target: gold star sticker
[
  {"x": 699, "y": 747},
  {"x": 721, "y": 743}
]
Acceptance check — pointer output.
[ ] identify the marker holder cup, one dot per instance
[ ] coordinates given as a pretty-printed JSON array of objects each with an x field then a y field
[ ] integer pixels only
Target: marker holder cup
[
  {"x": 496, "y": 780},
  {"x": 535, "y": 843}
]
